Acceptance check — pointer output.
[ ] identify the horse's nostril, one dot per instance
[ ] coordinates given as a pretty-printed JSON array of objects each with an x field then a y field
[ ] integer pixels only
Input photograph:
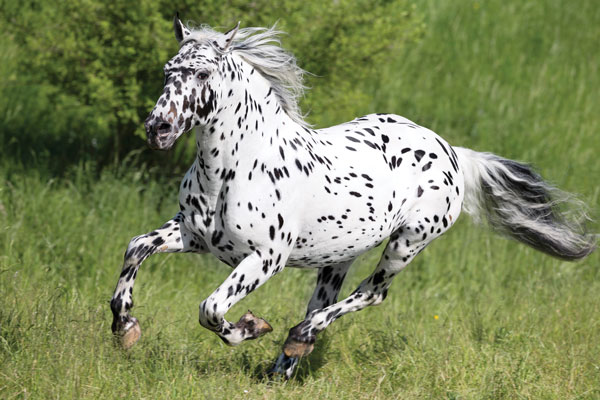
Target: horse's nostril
[{"x": 163, "y": 127}]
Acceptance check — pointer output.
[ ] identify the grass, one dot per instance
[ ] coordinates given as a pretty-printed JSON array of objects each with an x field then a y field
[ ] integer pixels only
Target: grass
[{"x": 519, "y": 79}]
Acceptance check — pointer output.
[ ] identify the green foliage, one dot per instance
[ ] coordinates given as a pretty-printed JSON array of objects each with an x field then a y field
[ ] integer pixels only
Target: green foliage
[
  {"x": 90, "y": 62},
  {"x": 89, "y": 72},
  {"x": 347, "y": 47}
]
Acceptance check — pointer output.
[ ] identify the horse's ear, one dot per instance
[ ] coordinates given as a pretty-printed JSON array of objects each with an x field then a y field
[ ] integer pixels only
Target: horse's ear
[
  {"x": 181, "y": 32},
  {"x": 228, "y": 36}
]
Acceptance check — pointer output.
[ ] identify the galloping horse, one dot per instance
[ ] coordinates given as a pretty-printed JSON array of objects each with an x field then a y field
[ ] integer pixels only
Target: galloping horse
[{"x": 265, "y": 190}]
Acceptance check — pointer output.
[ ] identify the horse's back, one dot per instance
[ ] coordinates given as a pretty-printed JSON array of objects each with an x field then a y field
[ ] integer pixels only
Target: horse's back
[
  {"x": 392, "y": 156},
  {"x": 386, "y": 172}
]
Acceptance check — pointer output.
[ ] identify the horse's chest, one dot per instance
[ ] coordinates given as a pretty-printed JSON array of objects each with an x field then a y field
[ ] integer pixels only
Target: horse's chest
[
  {"x": 228, "y": 223},
  {"x": 218, "y": 236}
]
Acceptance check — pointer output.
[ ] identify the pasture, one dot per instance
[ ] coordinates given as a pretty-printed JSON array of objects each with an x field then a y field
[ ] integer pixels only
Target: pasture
[{"x": 474, "y": 316}]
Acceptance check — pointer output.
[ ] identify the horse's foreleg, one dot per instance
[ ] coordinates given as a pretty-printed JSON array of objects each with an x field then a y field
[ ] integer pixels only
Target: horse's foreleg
[
  {"x": 329, "y": 283},
  {"x": 173, "y": 236},
  {"x": 252, "y": 272}
]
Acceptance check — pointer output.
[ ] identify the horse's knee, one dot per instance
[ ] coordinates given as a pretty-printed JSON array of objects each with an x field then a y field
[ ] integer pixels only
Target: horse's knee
[
  {"x": 210, "y": 316},
  {"x": 138, "y": 250}
]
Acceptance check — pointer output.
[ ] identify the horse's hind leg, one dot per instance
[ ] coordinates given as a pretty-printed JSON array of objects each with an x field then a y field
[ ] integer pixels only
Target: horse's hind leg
[
  {"x": 403, "y": 246},
  {"x": 329, "y": 283},
  {"x": 173, "y": 236}
]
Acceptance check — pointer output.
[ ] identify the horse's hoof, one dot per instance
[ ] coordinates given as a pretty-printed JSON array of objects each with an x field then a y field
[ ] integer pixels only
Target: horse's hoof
[
  {"x": 283, "y": 368},
  {"x": 296, "y": 349},
  {"x": 131, "y": 334},
  {"x": 253, "y": 326},
  {"x": 276, "y": 375}
]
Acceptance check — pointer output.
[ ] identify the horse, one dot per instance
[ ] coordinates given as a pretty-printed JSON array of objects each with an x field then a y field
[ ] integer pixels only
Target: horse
[{"x": 266, "y": 191}]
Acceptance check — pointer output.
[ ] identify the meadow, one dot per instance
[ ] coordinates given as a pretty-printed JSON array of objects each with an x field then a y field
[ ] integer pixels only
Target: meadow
[{"x": 475, "y": 316}]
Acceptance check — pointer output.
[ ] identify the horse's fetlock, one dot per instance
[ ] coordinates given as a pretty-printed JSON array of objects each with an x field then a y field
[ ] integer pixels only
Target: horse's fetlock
[
  {"x": 303, "y": 333},
  {"x": 116, "y": 305},
  {"x": 121, "y": 322},
  {"x": 300, "y": 341}
]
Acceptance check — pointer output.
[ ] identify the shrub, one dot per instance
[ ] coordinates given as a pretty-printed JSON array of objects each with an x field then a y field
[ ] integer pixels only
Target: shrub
[{"x": 89, "y": 72}]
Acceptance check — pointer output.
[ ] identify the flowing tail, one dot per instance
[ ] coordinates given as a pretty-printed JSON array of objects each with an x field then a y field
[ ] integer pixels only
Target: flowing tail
[{"x": 518, "y": 203}]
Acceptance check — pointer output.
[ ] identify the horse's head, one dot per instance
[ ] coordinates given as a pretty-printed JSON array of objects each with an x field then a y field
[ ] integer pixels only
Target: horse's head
[{"x": 192, "y": 87}]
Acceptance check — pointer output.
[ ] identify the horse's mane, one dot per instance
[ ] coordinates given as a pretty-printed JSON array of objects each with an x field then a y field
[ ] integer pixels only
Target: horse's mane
[{"x": 261, "y": 48}]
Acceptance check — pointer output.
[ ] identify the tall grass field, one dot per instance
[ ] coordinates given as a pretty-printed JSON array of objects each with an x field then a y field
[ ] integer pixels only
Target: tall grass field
[{"x": 475, "y": 316}]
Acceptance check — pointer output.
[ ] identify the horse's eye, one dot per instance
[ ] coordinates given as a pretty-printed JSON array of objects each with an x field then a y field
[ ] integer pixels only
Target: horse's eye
[{"x": 202, "y": 75}]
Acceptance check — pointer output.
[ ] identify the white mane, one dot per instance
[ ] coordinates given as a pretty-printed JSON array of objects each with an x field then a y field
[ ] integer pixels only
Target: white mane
[{"x": 261, "y": 48}]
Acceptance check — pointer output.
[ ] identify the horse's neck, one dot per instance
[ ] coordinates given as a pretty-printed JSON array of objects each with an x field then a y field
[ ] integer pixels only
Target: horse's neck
[{"x": 248, "y": 127}]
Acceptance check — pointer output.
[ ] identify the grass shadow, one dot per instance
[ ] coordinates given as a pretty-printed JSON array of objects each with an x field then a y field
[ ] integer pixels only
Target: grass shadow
[{"x": 307, "y": 366}]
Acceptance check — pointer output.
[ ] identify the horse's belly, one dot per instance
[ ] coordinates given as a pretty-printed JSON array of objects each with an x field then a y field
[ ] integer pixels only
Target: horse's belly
[{"x": 322, "y": 247}]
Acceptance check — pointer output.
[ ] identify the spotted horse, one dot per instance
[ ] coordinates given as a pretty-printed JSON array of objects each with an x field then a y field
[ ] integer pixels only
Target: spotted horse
[{"x": 267, "y": 191}]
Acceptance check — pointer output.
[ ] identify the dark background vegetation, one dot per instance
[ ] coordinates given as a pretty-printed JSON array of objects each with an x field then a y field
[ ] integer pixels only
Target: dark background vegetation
[{"x": 79, "y": 77}]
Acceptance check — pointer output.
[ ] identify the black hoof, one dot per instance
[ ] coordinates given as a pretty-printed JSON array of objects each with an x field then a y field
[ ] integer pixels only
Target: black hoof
[{"x": 284, "y": 367}]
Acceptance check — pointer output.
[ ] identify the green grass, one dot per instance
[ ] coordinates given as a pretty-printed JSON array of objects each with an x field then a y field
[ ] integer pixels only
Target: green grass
[{"x": 519, "y": 79}]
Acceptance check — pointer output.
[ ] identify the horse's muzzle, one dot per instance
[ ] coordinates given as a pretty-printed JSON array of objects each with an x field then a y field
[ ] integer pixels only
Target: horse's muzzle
[{"x": 159, "y": 133}]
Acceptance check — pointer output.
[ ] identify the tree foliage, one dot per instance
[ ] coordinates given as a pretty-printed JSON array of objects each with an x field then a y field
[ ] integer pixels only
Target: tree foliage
[{"x": 88, "y": 72}]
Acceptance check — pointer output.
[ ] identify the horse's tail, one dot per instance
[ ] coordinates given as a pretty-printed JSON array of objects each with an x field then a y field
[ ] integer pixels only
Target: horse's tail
[{"x": 518, "y": 203}]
